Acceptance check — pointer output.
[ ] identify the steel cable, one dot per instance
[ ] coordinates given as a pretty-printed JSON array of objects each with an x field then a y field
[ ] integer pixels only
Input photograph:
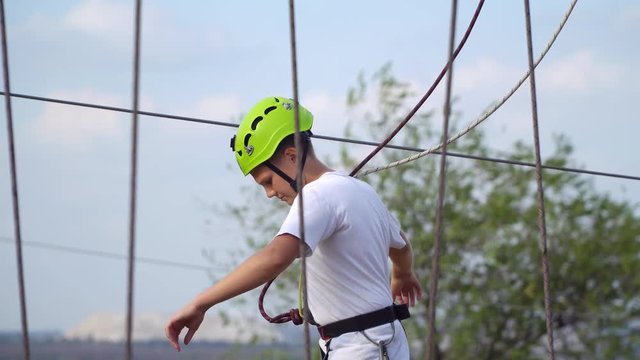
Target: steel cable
[
  {"x": 26, "y": 349},
  {"x": 442, "y": 180},
  {"x": 542, "y": 226},
  {"x": 109, "y": 255},
  {"x": 424, "y": 97},
  {"x": 134, "y": 177},
  {"x": 299, "y": 181},
  {"x": 484, "y": 116}
]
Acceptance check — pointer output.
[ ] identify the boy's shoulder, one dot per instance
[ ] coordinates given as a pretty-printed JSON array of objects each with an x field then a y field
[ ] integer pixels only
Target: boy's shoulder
[
  {"x": 330, "y": 179},
  {"x": 335, "y": 184}
]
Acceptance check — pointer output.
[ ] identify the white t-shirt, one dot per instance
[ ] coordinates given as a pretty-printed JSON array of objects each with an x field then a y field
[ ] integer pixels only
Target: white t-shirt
[{"x": 348, "y": 231}]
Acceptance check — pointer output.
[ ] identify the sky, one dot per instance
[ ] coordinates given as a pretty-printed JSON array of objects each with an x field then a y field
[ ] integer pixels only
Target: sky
[{"x": 214, "y": 60}]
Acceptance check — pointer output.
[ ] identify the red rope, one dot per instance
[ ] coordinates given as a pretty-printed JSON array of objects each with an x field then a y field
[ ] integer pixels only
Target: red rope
[
  {"x": 425, "y": 97},
  {"x": 292, "y": 315}
]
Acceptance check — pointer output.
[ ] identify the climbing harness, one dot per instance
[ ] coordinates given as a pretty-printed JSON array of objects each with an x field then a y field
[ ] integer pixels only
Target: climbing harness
[
  {"x": 358, "y": 323},
  {"x": 364, "y": 321},
  {"x": 382, "y": 344}
]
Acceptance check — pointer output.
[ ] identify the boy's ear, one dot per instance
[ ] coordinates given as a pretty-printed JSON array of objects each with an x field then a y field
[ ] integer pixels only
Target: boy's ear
[{"x": 290, "y": 153}]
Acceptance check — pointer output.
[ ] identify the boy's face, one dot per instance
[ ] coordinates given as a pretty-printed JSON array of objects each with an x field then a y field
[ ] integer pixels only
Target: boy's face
[{"x": 272, "y": 183}]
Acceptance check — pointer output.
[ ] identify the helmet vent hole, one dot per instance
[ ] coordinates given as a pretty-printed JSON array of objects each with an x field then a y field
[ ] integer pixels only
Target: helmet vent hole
[
  {"x": 246, "y": 139},
  {"x": 239, "y": 152},
  {"x": 269, "y": 109},
  {"x": 232, "y": 142},
  {"x": 255, "y": 122},
  {"x": 276, "y": 99}
]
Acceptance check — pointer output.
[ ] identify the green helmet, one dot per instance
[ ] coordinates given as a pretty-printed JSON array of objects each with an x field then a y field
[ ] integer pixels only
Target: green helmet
[{"x": 263, "y": 128}]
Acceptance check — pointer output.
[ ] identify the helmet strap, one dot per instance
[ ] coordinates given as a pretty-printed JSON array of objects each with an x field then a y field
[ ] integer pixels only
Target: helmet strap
[
  {"x": 281, "y": 173},
  {"x": 287, "y": 178}
]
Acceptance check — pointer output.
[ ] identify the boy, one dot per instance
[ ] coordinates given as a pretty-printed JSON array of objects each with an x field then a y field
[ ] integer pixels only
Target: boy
[{"x": 349, "y": 234}]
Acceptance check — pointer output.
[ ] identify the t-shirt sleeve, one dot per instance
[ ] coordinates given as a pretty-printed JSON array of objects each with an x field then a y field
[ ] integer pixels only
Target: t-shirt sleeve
[
  {"x": 397, "y": 242},
  {"x": 320, "y": 219}
]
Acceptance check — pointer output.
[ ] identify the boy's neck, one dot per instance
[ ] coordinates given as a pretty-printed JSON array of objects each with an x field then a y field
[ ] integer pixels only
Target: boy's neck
[{"x": 314, "y": 169}]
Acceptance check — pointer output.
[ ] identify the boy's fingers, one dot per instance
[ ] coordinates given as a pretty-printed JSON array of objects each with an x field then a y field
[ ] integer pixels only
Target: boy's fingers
[
  {"x": 418, "y": 291},
  {"x": 190, "y": 333},
  {"x": 174, "y": 343},
  {"x": 172, "y": 336}
]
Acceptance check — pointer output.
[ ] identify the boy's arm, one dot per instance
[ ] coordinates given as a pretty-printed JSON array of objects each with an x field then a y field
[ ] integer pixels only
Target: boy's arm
[
  {"x": 261, "y": 267},
  {"x": 405, "y": 287},
  {"x": 402, "y": 259}
]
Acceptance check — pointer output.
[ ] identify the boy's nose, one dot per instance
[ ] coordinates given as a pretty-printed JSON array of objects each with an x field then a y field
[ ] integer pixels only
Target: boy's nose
[{"x": 270, "y": 193}]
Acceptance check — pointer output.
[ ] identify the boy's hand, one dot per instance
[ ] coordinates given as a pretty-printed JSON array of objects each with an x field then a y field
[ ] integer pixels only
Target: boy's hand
[
  {"x": 189, "y": 317},
  {"x": 405, "y": 288}
]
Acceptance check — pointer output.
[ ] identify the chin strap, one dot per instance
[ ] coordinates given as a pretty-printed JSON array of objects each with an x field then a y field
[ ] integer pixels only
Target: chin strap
[{"x": 287, "y": 178}]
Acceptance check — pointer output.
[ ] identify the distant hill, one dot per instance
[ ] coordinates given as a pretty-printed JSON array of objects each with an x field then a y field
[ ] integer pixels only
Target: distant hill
[
  {"x": 153, "y": 350},
  {"x": 110, "y": 327},
  {"x": 101, "y": 336}
]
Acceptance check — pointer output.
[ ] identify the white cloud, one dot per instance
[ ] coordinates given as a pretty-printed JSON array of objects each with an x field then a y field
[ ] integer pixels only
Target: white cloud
[
  {"x": 113, "y": 22},
  {"x": 484, "y": 73},
  {"x": 107, "y": 19},
  {"x": 221, "y": 107},
  {"x": 580, "y": 72},
  {"x": 216, "y": 107},
  {"x": 74, "y": 126},
  {"x": 328, "y": 112}
]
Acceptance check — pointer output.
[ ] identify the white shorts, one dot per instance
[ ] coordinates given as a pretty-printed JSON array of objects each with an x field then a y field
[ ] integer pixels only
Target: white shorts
[{"x": 355, "y": 345}]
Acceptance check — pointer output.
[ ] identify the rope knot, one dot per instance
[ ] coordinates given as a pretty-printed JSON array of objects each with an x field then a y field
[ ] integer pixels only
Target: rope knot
[{"x": 294, "y": 316}]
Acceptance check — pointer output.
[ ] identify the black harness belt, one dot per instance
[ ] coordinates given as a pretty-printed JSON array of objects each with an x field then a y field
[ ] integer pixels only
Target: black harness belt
[{"x": 364, "y": 321}]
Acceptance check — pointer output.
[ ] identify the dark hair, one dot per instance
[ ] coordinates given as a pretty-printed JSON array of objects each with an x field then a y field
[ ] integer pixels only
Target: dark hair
[{"x": 289, "y": 141}]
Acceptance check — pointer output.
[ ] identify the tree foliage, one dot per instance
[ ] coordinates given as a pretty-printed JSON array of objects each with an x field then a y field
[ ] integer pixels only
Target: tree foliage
[{"x": 490, "y": 303}]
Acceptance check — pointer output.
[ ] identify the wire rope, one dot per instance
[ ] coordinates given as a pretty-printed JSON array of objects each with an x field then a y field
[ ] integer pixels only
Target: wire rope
[
  {"x": 108, "y": 255},
  {"x": 592, "y": 315},
  {"x": 484, "y": 116},
  {"x": 542, "y": 226},
  {"x": 442, "y": 180},
  {"x": 429, "y": 151},
  {"x": 134, "y": 178},
  {"x": 26, "y": 349},
  {"x": 424, "y": 97},
  {"x": 299, "y": 180}
]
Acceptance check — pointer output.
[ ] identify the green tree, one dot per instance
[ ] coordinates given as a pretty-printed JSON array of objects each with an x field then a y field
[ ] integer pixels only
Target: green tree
[{"x": 490, "y": 303}]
